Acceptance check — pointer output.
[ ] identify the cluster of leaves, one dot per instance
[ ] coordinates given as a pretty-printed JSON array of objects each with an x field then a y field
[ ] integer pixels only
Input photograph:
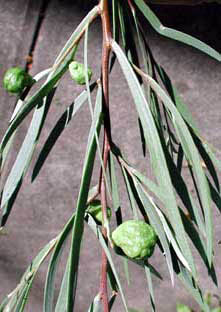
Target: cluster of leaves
[{"x": 168, "y": 135}]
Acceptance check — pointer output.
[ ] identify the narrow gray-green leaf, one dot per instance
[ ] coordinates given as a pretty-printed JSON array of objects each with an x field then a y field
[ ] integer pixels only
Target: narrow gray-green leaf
[
  {"x": 126, "y": 271},
  {"x": 199, "y": 244},
  {"x": 208, "y": 158},
  {"x": 63, "y": 294},
  {"x": 192, "y": 287},
  {"x": 174, "y": 34},
  {"x": 130, "y": 194},
  {"x": 122, "y": 24},
  {"x": 171, "y": 239},
  {"x": 114, "y": 189},
  {"x": 158, "y": 226},
  {"x": 53, "y": 265},
  {"x": 96, "y": 305},
  {"x": 115, "y": 20},
  {"x": 20, "y": 305},
  {"x": 184, "y": 193},
  {"x": 78, "y": 227},
  {"x": 211, "y": 153},
  {"x": 150, "y": 287},
  {"x": 114, "y": 184},
  {"x": 4, "y": 304}
]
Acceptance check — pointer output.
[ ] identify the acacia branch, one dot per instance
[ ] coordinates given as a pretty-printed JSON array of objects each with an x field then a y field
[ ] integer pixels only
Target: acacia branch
[{"x": 106, "y": 27}]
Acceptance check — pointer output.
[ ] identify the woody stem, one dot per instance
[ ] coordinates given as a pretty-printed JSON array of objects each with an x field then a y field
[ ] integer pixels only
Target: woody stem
[{"x": 105, "y": 18}]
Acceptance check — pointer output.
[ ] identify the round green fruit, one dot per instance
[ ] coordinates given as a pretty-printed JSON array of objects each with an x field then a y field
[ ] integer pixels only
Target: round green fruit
[
  {"x": 77, "y": 72},
  {"x": 95, "y": 209},
  {"x": 136, "y": 238},
  {"x": 16, "y": 79}
]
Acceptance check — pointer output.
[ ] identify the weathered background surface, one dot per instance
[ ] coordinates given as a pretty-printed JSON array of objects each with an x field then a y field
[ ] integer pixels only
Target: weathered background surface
[{"x": 43, "y": 207}]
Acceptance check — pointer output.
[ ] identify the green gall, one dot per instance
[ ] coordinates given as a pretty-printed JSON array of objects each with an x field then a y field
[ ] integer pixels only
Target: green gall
[
  {"x": 136, "y": 238},
  {"x": 77, "y": 72},
  {"x": 95, "y": 209},
  {"x": 16, "y": 79}
]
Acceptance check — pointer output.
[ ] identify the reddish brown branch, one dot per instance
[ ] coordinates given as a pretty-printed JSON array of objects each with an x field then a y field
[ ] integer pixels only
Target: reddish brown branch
[{"x": 107, "y": 139}]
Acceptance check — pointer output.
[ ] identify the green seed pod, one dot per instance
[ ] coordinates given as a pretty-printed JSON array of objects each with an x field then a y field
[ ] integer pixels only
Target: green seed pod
[
  {"x": 136, "y": 238},
  {"x": 94, "y": 208},
  {"x": 16, "y": 79},
  {"x": 77, "y": 72}
]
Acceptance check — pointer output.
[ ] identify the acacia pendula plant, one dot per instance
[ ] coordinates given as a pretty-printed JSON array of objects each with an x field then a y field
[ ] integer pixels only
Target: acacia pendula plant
[{"x": 168, "y": 135}]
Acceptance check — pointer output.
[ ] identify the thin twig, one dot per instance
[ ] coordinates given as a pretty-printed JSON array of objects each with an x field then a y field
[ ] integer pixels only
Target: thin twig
[{"x": 105, "y": 18}]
